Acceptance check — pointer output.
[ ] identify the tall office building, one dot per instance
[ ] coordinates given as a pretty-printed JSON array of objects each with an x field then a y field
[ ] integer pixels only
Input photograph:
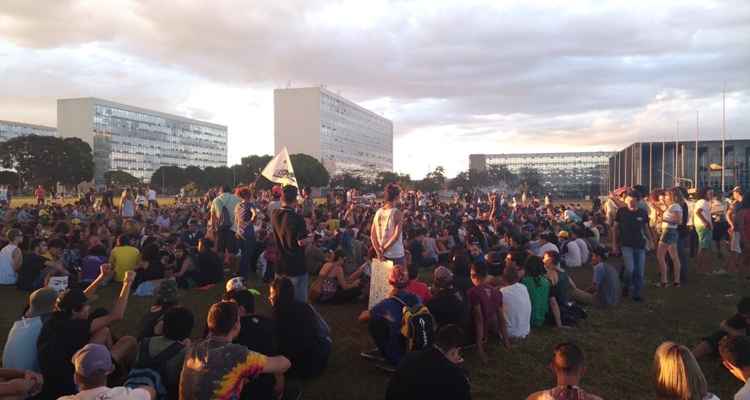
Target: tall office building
[
  {"x": 567, "y": 175},
  {"x": 339, "y": 133},
  {"x": 667, "y": 164},
  {"x": 12, "y": 129},
  {"x": 139, "y": 141}
]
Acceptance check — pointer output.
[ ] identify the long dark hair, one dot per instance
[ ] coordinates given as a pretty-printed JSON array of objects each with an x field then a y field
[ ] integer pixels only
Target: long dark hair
[
  {"x": 284, "y": 295},
  {"x": 534, "y": 268}
]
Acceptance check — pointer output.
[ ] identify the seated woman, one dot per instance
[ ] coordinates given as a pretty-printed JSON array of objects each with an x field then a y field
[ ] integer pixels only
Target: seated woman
[
  {"x": 677, "y": 374},
  {"x": 150, "y": 270},
  {"x": 302, "y": 334},
  {"x": 335, "y": 287},
  {"x": 210, "y": 266},
  {"x": 539, "y": 287},
  {"x": 185, "y": 267},
  {"x": 559, "y": 292}
]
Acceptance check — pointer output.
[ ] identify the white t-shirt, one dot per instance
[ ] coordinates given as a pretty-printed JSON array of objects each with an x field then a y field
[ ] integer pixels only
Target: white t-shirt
[
  {"x": 744, "y": 393},
  {"x": 672, "y": 217},
  {"x": 8, "y": 275},
  {"x": 151, "y": 195},
  {"x": 517, "y": 310},
  {"x": 584, "y": 250},
  {"x": 704, "y": 207},
  {"x": 573, "y": 255},
  {"x": 105, "y": 393},
  {"x": 539, "y": 252}
]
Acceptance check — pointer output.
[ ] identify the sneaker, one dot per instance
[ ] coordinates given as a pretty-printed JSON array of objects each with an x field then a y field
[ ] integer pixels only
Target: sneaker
[{"x": 374, "y": 355}]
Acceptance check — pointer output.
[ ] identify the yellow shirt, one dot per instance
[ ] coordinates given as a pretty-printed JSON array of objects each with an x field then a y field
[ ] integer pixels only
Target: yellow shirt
[{"x": 124, "y": 259}]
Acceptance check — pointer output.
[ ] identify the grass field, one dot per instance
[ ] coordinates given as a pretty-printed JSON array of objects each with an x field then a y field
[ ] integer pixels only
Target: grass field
[
  {"x": 20, "y": 201},
  {"x": 619, "y": 343}
]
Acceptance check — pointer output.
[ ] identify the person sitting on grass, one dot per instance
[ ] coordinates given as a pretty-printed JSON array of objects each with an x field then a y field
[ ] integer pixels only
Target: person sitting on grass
[
  {"x": 678, "y": 375},
  {"x": 93, "y": 364},
  {"x": 20, "y": 347},
  {"x": 173, "y": 343},
  {"x": 735, "y": 355},
  {"x": 419, "y": 288},
  {"x": 384, "y": 319},
  {"x": 216, "y": 368},
  {"x": 486, "y": 303},
  {"x": 19, "y": 384},
  {"x": 606, "y": 289},
  {"x": 210, "y": 266},
  {"x": 337, "y": 287},
  {"x": 433, "y": 373},
  {"x": 166, "y": 298},
  {"x": 123, "y": 257},
  {"x": 36, "y": 267},
  {"x": 516, "y": 305},
  {"x": 569, "y": 365},
  {"x": 538, "y": 287},
  {"x": 737, "y": 325},
  {"x": 302, "y": 334},
  {"x": 447, "y": 304},
  {"x": 71, "y": 327}
]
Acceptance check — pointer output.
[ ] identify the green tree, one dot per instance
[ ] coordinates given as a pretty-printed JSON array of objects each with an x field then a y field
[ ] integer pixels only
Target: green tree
[
  {"x": 499, "y": 173},
  {"x": 309, "y": 171},
  {"x": 255, "y": 164},
  {"x": 385, "y": 177},
  {"x": 120, "y": 179},
  {"x": 47, "y": 160},
  {"x": 529, "y": 180},
  {"x": 348, "y": 180},
  {"x": 8, "y": 178},
  {"x": 169, "y": 178}
]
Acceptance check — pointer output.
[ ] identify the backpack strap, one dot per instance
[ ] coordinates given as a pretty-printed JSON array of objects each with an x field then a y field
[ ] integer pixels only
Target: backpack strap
[{"x": 158, "y": 362}]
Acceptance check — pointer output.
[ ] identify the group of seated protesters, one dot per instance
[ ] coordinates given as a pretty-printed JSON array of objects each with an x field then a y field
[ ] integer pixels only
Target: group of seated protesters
[{"x": 496, "y": 271}]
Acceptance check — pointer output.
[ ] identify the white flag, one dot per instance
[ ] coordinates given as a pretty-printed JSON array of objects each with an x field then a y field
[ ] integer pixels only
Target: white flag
[{"x": 280, "y": 170}]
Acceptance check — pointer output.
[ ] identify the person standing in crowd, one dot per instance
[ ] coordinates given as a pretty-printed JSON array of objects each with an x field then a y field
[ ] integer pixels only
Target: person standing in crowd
[
  {"x": 632, "y": 237},
  {"x": 224, "y": 222},
  {"x": 127, "y": 204},
  {"x": 290, "y": 233},
  {"x": 11, "y": 258},
  {"x": 387, "y": 240},
  {"x": 703, "y": 224},
  {"x": 245, "y": 214},
  {"x": 569, "y": 365},
  {"x": 40, "y": 194},
  {"x": 93, "y": 364},
  {"x": 216, "y": 368},
  {"x": 151, "y": 197},
  {"x": 433, "y": 373},
  {"x": 683, "y": 235},
  {"x": 671, "y": 218},
  {"x": 735, "y": 231},
  {"x": 735, "y": 355},
  {"x": 678, "y": 375}
]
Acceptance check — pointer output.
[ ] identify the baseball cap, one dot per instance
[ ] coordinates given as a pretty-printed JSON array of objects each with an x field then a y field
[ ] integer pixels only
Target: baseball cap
[
  {"x": 563, "y": 234},
  {"x": 443, "y": 277},
  {"x": 71, "y": 299},
  {"x": 93, "y": 359},
  {"x": 167, "y": 292},
  {"x": 236, "y": 283},
  {"x": 398, "y": 278},
  {"x": 42, "y": 301}
]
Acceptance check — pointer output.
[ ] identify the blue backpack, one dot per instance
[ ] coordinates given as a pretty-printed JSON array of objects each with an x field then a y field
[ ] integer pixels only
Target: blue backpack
[{"x": 151, "y": 371}]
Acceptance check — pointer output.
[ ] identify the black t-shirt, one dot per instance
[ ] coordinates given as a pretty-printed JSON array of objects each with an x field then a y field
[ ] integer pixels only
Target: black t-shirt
[
  {"x": 428, "y": 375},
  {"x": 59, "y": 339},
  {"x": 257, "y": 334},
  {"x": 288, "y": 229},
  {"x": 448, "y": 307},
  {"x": 149, "y": 322},
  {"x": 631, "y": 227},
  {"x": 32, "y": 266},
  {"x": 416, "y": 249}
]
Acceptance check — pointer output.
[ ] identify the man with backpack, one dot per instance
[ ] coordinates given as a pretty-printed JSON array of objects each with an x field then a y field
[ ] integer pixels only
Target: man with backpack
[
  {"x": 433, "y": 373},
  {"x": 398, "y": 323},
  {"x": 160, "y": 358},
  {"x": 224, "y": 224}
]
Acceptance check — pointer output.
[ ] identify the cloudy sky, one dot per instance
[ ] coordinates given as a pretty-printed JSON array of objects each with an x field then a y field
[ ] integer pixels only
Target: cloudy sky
[{"x": 456, "y": 77}]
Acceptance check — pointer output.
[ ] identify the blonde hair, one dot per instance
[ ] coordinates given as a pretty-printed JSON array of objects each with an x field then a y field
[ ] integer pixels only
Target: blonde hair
[{"x": 678, "y": 375}]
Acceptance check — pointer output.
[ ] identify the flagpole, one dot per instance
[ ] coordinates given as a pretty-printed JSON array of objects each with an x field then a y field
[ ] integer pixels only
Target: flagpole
[
  {"x": 723, "y": 133},
  {"x": 663, "y": 159},
  {"x": 650, "y": 165},
  {"x": 697, "y": 134},
  {"x": 676, "y": 145}
]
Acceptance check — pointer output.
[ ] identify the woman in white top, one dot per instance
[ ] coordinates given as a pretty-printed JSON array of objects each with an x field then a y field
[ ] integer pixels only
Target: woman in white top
[
  {"x": 678, "y": 375},
  {"x": 11, "y": 258},
  {"x": 387, "y": 243},
  {"x": 668, "y": 240},
  {"x": 127, "y": 206}
]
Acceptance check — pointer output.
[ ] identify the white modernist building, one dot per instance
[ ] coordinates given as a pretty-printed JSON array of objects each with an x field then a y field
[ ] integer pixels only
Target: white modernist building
[
  {"x": 138, "y": 140},
  {"x": 336, "y": 131},
  {"x": 12, "y": 129}
]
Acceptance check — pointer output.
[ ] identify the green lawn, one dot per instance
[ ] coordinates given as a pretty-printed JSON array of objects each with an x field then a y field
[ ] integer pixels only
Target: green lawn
[{"x": 619, "y": 343}]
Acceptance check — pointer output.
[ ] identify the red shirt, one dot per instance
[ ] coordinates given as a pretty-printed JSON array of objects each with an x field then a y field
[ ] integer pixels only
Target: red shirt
[
  {"x": 419, "y": 289},
  {"x": 39, "y": 193}
]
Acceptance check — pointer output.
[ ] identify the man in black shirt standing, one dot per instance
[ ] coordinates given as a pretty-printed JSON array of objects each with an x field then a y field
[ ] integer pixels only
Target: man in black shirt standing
[
  {"x": 433, "y": 373},
  {"x": 631, "y": 233},
  {"x": 290, "y": 232}
]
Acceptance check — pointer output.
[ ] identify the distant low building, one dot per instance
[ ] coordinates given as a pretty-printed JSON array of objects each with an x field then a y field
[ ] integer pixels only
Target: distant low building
[
  {"x": 667, "y": 164},
  {"x": 12, "y": 129},
  {"x": 565, "y": 175}
]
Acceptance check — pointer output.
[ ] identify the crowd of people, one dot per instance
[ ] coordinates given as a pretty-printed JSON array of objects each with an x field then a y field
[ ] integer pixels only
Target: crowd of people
[{"x": 496, "y": 270}]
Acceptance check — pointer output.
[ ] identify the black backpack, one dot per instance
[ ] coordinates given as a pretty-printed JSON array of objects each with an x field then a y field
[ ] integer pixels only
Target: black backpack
[
  {"x": 151, "y": 371},
  {"x": 225, "y": 220},
  {"x": 418, "y": 326}
]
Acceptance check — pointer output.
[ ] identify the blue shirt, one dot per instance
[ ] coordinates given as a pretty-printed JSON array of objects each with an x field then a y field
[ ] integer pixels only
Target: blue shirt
[
  {"x": 391, "y": 311},
  {"x": 20, "y": 349}
]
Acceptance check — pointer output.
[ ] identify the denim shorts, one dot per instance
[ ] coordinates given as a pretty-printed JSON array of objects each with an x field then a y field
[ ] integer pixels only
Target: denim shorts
[{"x": 669, "y": 236}]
